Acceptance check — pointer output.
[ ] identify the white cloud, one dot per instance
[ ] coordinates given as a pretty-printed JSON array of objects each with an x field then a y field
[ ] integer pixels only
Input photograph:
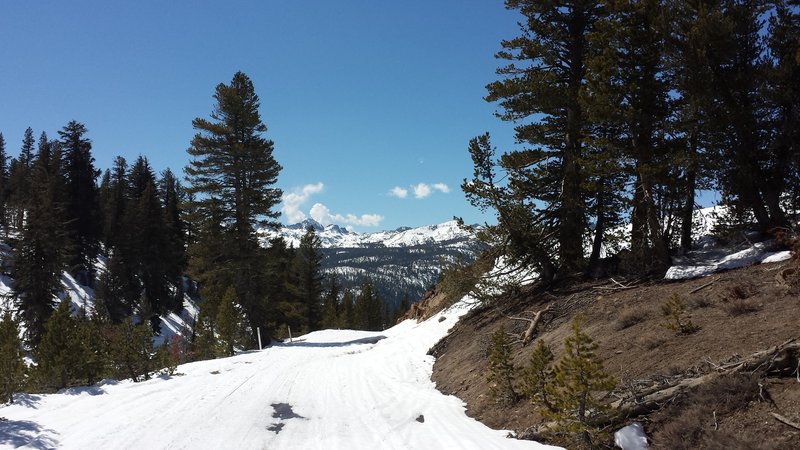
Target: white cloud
[
  {"x": 421, "y": 190},
  {"x": 442, "y": 187},
  {"x": 295, "y": 199},
  {"x": 398, "y": 192},
  {"x": 323, "y": 215}
]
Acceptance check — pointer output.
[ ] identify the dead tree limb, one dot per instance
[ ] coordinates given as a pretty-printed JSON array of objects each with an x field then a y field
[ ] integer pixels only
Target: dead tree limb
[
  {"x": 785, "y": 421},
  {"x": 703, "y": 286},
  {"x": 533, "y": 324}
]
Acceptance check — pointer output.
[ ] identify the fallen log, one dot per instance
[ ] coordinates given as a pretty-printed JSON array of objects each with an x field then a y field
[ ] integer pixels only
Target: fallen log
[{"x": 782, "y": 360}]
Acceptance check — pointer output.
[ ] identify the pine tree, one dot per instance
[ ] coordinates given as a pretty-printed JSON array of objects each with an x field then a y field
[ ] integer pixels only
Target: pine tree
[
  {"x": 751, "y": 171},
  {"x": 12, "y": 366},
  {"x": 367, "y": 309},
  {"x": 537, "y": 377},
  {"x": 542, "y": 82},
  {"x": 232, "y": 174},
  {"x": 347, "y": 316},
  {"x": 114, "y": 201},
  {"x": 578, "y": 377},
  {"x": 4, "y": 186},
  {"x": 523, "y": 234},
  {"x": 204, "y": 343},
  {"x": 131, "y": 350},
  {"x": 306, "y": 287},
  {"x": 81, "y": 207},
  {"x": 783, "y": 96},
  {"x": 628, "y": 91},
  {"x": 40, "y": 256},
  {"x": 59, "y": 361},
  {"x": 228, "y": 323},
  {"x": 174, "y": 235},
  {"x": 330, "y": 305},
  {"x": 94, "y": 347},
  {"x": 20, "y": 179},
  {"x": 501, "y": 369},
  {"x": 146, "y": 239}
]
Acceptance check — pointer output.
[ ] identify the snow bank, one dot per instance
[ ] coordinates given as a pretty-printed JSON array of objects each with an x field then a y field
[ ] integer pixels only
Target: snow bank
[{"x": 704, "y": 263}]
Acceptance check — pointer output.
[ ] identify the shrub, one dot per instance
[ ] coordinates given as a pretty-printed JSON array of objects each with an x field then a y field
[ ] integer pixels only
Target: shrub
[
  {"x": 629, "y": 317},
  {"x": 677, "y": 320}
]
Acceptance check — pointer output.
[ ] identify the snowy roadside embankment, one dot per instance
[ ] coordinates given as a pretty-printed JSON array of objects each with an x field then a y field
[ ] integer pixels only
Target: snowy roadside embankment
[
  {"x": 706, "y": 262},
  {"x": 330, "y": 389}
]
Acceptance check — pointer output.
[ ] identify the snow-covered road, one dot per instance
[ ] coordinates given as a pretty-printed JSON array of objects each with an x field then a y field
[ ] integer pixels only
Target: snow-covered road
[{"x": 331, "y": 390}]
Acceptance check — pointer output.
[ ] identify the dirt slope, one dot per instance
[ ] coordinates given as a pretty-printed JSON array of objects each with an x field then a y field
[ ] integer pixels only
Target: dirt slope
[{"x": 738, "y": 313}]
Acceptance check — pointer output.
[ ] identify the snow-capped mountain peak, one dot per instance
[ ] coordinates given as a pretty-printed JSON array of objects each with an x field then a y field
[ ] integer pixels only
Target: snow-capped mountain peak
[{"x": 334, "y": 236}]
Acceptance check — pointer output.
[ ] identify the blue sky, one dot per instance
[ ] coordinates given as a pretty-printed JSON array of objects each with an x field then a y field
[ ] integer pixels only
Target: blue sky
[{"x": 371, "y": 103}]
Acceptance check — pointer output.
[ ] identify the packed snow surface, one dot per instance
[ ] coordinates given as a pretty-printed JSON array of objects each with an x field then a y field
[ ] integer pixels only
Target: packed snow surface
[{"x": 327, "y": 390}]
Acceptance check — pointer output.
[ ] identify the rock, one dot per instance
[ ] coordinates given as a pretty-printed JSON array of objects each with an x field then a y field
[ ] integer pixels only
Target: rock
[{"x": 421, "y": 418}]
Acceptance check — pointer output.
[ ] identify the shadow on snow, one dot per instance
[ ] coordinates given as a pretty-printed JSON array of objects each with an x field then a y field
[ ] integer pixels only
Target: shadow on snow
[
  {"x": 24, "y": 433},
  {"x": 366, "y": 340}
]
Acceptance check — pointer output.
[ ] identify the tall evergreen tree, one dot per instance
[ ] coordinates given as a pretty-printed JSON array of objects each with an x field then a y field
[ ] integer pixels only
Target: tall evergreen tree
[
  {"x": 42, "y": 251},
  {"x": 330, "y": 305},
  {"x": 628, "y": 91},
  {"x": 368, "y": 313},
  {"x": 347, "y": 315},
  {"x": 20, "y": 179},
  {"x": 751, "y": 170},
  {"x": 234, "y": 172},
  {"x": 174, "y": 234},
  {"x": 146, "y": 240},
  {"x": 114, "y": 201},
  {"x": 541, "y": 92},
  {"x": 783, "y": 95},
  {"x": 4, "y": 185},
  {"x": 307, "y": 278},
  {"x": 82, "y": 210},
  {"x": 687, "y": 63}
]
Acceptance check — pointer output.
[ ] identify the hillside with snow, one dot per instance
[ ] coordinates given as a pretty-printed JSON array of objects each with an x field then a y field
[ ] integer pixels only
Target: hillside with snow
[
  {"x": 330, "y": 389},
  {"x": 401, "y": 263}
]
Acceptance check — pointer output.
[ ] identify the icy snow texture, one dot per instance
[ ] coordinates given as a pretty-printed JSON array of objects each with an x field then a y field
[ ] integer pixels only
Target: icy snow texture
[{"x": 327, "y": 390}]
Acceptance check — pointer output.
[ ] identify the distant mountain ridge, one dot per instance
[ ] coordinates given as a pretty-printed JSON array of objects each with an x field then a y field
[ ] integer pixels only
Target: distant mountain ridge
[
  {"x": 334, "y": 236},
  {"x": 401, "y": 262}
]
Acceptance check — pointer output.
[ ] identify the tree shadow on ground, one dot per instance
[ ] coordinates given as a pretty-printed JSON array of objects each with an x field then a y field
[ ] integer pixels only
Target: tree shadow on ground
[
  {"x": 24, "y": 433},
  {"x": 366, "y": 340},
  {"x": 27, "y": 400}
]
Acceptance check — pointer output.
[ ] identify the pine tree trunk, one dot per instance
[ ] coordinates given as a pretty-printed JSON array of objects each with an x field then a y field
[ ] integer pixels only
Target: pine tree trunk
[{"x": 599, "y": 230}]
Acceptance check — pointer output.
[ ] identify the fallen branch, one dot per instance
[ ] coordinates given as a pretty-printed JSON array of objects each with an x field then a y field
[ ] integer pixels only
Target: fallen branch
[
  {"x": 534, "y": 323},
  {"x": 617, "y": 286},
  {"x": 703, "y": 286},
  {"x": 784, "y": 420}
]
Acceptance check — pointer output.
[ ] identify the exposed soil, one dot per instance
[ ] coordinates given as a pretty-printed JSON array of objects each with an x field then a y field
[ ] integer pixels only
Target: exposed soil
[{"x": 737, "y": 313}]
